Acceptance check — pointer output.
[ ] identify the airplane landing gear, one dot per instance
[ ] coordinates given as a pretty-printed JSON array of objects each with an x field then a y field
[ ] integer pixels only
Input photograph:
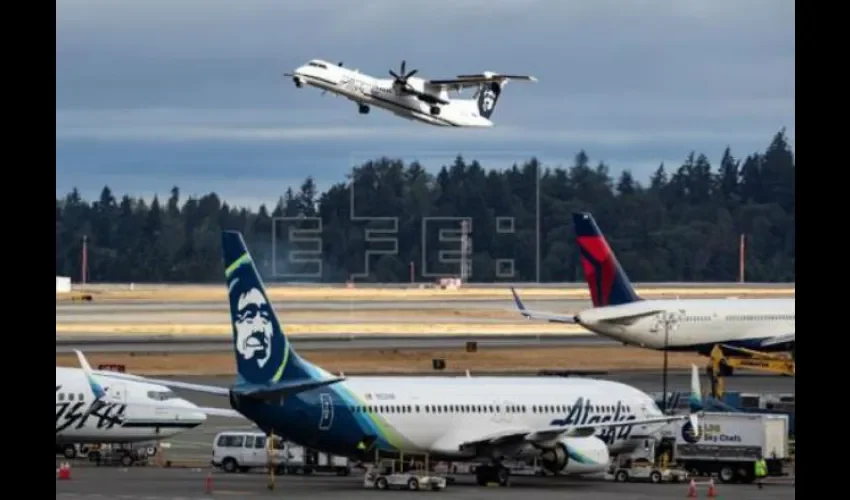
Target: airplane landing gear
[
  {"x": 297, "y": 81},
  {"x": 497, "y": 473},
  {"x": 363, "y": 109},
  {"x": 435, "y": 110}
]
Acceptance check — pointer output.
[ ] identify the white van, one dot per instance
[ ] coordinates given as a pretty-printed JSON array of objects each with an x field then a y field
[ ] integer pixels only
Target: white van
[{"x": 244, "y": 450}]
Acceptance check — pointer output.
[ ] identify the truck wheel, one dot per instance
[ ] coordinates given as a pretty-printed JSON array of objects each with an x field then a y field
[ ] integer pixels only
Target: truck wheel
[
  {"x": 622, "y": 476},
  {"x": 70, "y": 452},
  {"x": 413, "y": 484},
  {"x": 727, "y": 474},
  {"x": 655, "y": 476},
  {"x": 381, "y": 483},
  {"x": 127, "y": 460}
]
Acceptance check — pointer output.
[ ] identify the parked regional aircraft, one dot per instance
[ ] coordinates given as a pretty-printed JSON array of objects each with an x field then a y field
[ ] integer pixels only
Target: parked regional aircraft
[
  {"x": 571, "y": 424},
  {"x": 97, "y": 407},
  {"x": 413, "y": 98},
  {"x": 692, "y": 324}
]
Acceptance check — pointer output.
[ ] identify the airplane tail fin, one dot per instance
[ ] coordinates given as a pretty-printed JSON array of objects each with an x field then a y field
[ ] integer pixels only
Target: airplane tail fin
[
  {"x": 264, "y": 356},
  {"x": 608, "y": 283},
  {"x": 488, "y": 96}
]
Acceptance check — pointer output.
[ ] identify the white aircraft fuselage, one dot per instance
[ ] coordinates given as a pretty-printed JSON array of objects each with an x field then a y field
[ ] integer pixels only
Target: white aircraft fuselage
[
  {"x": 133, "y": 411},
  {"x": 694, "y": 324},
  {"x": 435, "y": 415},
  {"x": 419, "y": 106}
]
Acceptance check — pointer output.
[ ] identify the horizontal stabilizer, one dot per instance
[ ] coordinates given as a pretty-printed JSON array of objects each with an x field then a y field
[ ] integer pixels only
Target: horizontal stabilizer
[
  {"x": 787, "y": 338},
  {"x": 545, "y": 316},
  {"x": 283, "y": 389}
]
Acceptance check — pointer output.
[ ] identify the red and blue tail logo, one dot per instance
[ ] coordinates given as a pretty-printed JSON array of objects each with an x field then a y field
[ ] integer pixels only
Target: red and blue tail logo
[{"x": 609, "y": 285}]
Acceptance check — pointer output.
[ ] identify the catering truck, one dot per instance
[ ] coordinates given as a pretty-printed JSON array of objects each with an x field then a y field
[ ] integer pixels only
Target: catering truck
[{"x": 728, "y": 445}]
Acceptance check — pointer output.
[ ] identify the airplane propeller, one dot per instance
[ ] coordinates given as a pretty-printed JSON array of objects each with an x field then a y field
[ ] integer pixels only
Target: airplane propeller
[{"x": 401, "y": 79}]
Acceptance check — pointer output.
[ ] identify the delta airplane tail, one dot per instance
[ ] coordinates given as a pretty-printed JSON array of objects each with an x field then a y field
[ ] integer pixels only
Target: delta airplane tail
[
  {"x": 266, "y": 364},
  {"x": 608, "y": 283}
]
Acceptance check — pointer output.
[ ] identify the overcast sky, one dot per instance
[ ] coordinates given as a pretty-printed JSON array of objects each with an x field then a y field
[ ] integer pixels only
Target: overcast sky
[{"x": 190, "y": 92}]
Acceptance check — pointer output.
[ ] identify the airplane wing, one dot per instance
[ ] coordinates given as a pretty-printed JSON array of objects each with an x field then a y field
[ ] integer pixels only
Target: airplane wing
[
  {"x": 464, "y": 81},
  {"x": 275, "y": 391},
  {"x": 787, "y": 338},
  {"x": 546, "y": 316},
  {"x": 548, "y": 434}
]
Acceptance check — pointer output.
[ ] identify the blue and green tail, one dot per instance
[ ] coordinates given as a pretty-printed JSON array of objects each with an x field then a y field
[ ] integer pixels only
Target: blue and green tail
[{"x": 264, "y": 356}]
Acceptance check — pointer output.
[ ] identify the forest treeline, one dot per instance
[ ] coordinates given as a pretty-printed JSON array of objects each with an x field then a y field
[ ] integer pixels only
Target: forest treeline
[{"x": 683, "y": 225}]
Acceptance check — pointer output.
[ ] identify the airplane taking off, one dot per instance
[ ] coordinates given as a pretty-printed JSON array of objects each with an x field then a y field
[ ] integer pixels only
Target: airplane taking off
[
  {"x": 572, "y": 425},
  {"x": 106, "y": 407},
  {"x": 411, "y": 97},
  {"x": 695, "y": 325}
]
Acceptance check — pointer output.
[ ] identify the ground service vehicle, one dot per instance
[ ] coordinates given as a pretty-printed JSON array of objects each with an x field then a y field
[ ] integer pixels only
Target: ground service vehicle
[
  {"x": 649, "y": 463},
  {"x": 729, "y": 444},
  {"x": 244, "y": 450}
]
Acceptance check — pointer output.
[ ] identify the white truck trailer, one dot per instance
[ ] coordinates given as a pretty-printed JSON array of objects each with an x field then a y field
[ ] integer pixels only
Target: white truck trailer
[{"x": 730, "y": 443}]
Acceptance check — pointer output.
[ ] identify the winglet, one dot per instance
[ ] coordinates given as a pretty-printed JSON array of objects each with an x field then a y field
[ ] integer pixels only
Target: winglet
[
  {"x": 96, "y": 389},
  {"x": 519, "y": 305},
  {"x": 695, "y": 400}
]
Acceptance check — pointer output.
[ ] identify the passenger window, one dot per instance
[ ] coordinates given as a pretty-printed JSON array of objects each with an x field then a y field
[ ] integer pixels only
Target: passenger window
[
  {"x": 61, "y": 396},
  {"x": 260, "y": 442},
  {"x": 249, "y": 441}
]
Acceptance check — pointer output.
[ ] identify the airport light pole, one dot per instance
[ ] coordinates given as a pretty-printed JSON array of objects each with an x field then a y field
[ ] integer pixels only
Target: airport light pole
[{"x": 670, "y": 322}]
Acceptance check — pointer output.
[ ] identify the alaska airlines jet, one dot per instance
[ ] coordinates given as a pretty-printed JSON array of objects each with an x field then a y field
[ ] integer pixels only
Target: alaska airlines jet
[
  {"x": 692, "y": 324},
  {"x": 97, "y": 407},
  {"x": 571, "y": 424}
]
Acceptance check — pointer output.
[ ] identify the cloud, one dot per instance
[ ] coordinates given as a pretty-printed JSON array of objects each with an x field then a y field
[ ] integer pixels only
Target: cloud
[{"x": 192, "y": 90}]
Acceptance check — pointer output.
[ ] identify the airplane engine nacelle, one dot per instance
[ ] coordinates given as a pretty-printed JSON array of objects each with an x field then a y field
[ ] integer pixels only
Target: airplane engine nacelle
[{"x": 586, "y": 455}]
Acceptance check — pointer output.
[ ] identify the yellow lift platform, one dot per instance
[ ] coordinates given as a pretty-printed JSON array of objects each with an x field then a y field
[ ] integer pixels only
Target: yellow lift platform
[{"x": 725, "y": 359}]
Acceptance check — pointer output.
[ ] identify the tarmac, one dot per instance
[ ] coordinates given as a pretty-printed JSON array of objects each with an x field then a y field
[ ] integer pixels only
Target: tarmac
[
  {"x": 148, "y": 483},
  {"x": 190, "y": 453}
]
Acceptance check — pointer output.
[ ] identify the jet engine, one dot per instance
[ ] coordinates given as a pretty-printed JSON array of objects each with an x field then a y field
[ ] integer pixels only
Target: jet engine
[{"x": 585, "y": 455}]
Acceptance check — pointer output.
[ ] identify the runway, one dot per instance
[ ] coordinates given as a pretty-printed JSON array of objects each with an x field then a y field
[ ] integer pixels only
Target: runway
[
  {"x": 138, "y": 483},
  {"x": 334, "y": 311},
  {"x": 321, "y": 342}
]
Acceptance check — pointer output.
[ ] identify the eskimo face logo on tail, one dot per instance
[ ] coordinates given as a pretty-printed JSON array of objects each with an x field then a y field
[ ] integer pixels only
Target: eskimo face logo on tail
[
  {"x": 254, "y": 329},
  {"x": 259, "y": 344}
]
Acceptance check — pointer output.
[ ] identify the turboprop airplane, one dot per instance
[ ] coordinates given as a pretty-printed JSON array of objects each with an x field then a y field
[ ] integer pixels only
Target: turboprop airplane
[
  {"x": 695, "y": 325},
  {"x": 105, "y": 407},
  {"x": 411, "y": 97},
  {"x": 572, "y": 425}
]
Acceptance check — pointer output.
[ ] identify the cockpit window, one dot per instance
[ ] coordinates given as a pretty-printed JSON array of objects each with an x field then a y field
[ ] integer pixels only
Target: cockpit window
[
  {"x": 317, "y": 65},
  {"x": 161, "y": 395}
]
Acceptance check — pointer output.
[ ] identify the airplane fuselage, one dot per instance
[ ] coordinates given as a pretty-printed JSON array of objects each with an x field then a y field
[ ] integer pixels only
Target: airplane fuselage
[
  {"x": 433, "y": 414},
  {"x": 696, "y": 324},
  {"x": 129, "y": 414},
  {"x": 370, "y": 91}
]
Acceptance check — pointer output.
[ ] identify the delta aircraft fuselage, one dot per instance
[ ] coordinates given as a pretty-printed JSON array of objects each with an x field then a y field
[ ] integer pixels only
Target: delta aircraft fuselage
[{"x": 694, "y": 324}]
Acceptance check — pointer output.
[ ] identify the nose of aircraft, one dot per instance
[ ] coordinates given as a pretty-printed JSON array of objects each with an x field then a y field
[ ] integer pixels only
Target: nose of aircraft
[{"x": 190, "y": 413}]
